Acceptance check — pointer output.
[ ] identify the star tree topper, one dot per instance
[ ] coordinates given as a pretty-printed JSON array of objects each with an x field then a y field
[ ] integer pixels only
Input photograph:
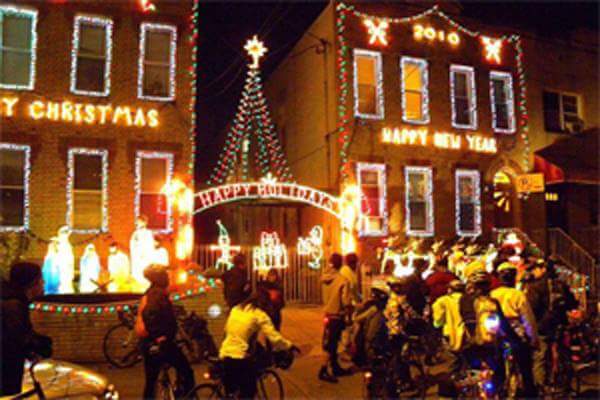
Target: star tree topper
[
  {"x": 492, "y": 49},
  {"x": 377, "y": 31},
  {"x": 255, "y": 49}
]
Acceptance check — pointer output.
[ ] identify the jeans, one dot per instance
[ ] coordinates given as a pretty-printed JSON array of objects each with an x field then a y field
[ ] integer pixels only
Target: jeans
[
  {"x": 169, "y": 354},
  {"x": 240, "y": 377}
]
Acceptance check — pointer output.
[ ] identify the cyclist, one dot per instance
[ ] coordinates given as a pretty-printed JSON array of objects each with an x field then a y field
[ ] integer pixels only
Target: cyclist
[
  {"x": 446, "y": 315},
  {"x": 246, "y": 320},
  {"x": 19, "y": 340},
  {"x": 157, "y": 326},
  {"x": 517, "y": 311}
]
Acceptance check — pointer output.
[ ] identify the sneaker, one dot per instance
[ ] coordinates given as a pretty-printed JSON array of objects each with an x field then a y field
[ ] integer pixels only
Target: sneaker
[{"x": 324, "y": 375}]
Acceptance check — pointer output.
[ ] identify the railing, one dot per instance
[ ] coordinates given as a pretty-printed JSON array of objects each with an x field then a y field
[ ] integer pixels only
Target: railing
[
  {"x": 589, "y": 239},
  {"x": 574, "y": 256},
  {"x": 301, "y": 284}
]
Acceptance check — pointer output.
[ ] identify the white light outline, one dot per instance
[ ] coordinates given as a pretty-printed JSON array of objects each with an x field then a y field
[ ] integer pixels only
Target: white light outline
[
  {"x": 382, "y": 183},
  {"x": 380, "y": 109},
  {"x": 430, "y": 223},
  {"x": 424, "y": 69},
  {"x": 139, "y": 155},
  {"x": 26, "y": 175},
  {"x": 103, "y": 153},
  {"x": 105, "y": 23},
  {"x": 172, "y": 30},
  {"x": 506, "y": 77},
  {"x": 470, "y": 72},
  {"x": 33, "y": 14},
  {"x": 474, "y": 175}
]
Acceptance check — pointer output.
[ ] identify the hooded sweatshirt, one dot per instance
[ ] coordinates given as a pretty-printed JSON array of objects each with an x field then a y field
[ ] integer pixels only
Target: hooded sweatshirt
[{"x": 336, "y": 292}]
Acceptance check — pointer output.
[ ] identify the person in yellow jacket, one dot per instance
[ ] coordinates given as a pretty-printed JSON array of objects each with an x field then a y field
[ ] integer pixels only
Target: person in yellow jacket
[
  {"x": 446, "y": 315},
  {"x": 516, "y": 309}
]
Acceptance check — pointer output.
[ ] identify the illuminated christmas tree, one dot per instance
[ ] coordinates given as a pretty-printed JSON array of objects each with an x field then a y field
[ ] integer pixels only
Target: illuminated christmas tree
[{"x": 252, "y": 131}]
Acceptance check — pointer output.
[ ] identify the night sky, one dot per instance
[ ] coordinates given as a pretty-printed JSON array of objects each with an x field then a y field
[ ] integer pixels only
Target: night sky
[{"x": 225, "y": 26}]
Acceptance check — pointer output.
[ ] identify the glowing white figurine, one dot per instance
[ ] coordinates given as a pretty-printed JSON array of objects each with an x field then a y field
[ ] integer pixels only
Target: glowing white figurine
[
  {"x": 270, "y": 254},
  {"x": 312, "y": 246},
  {"x": 119, "y": 270},
  {"x": 89, "y": 269},
  {"x": 161, "y": 255},
  {"x": 51, "y": 269},
  {"x": 141, "y": 249},
  {"x": 66, "y": 260},
  {"x": 224, "y": 262}
]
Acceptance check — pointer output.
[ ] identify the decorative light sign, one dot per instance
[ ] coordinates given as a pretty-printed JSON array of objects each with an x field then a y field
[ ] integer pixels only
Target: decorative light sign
[
  {"x": 270, "y": 254},
  {"x": 312, "y": 246},
  {"x": 492, "y": 48},
  {"x": 441, "y": 140},
  {"x": 146, "y": 5},
  {"x": 377, "y": 31},
  {"x": 431, "y": 34},
  {"x": 225, "y": 248},
  {"x": 256, "y": 50},
  {"x": 81, "y": 113}
]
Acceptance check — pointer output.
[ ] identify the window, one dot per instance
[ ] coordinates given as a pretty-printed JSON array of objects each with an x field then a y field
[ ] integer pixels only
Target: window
[
  {"x": 368, "y": 84},
  {"x": 415, "y": 94},
  {"x": 87, "y": 190},
  {"x": 419, "y": 201},
  {"x": 561, "y": 112},
  {"x": 156, "y": 75},
  {"x": 468, "y": 203},
  {"x": 463, "y": 97},
  {"x": 18, "y": 41},
  {"x": 371, "y": 181},
  {"x": 91, "y": 56},
  {"x": 153, "y": 170},
  {"x": 14, "y": 187},
  {"x": 502, "y": 102}
]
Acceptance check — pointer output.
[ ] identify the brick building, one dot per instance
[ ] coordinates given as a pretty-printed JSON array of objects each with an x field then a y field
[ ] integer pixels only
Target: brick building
[
  {"x": 94, "y": 117},
  {"x": 424, "y": 110}
]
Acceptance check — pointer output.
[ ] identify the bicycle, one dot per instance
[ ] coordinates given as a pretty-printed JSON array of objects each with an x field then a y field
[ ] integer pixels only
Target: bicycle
[{"x": 37, "y": 387}]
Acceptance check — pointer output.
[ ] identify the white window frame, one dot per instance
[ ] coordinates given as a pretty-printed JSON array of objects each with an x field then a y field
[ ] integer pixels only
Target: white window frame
[
  {"x": 424, "y": 69},
  {"x": 102, "y": 22},
  {"x": 472, "y": 95},
  {"x": 506, "y": 77},
  {"x": 379, "y": 101},
  {"x": 103, "y": 154},
  {"x": 139, "y": 155},
  {"x": 430, "y": 222},
  {"x": 29, "y": 13},
  {"x": 26, "y": 175},
  {"x": 475, "y": 177},
  {"x": 561, "y": 110},
  {"x": 381, "y": 183},
  {"x": 172, "y": 30}
]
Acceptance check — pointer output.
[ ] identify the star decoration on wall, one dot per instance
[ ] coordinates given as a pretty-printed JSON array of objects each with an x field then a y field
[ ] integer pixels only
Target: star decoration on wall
[
  {"x": 147, "y": 5},
  {"x": 377, "y": 31},
  {"x": 255, "y": 49},
  {"x": 492, "y": 49}
]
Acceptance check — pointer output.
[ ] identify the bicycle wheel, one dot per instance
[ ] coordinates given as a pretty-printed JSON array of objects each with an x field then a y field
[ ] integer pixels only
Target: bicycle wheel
[
  {"x": 120, "y": 347},
  {"x": 270, "y": 386},
  {"x": 205, "y": 391},
  {"x": 418, "y": 389}
]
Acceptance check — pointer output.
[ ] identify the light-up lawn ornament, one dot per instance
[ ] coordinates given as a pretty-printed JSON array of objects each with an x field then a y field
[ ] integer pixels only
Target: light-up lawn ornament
[
  {"x": 270, "y": 254},
  {"x": 224, "y": 247},
  {"x": 89, "y": 269},
  {"x": 312, "y": 246},
  {"x": 66, "y": 260}
]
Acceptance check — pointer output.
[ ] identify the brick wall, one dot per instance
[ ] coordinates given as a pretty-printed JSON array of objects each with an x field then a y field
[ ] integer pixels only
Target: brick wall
[{"x": 79, "y": 337}]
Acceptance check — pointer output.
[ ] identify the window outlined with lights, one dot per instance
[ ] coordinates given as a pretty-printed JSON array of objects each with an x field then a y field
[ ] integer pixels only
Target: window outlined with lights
[
  {"x": 18, "y": 47},
  {"x": 87, "y": 190},
  {"x": 91, "y": 55},
  {"x": 368, "y": 84},
  {"x": 153, "y": 172},
  {"x": 463, "y": 97},
  {"x": 371, "y": 180},
  {"x": 15, "y": 170},
  {"x": 418, "y": 204},
  {"x": 414, "y": 85},
  {"x": 157, "y": 62},
  {"x": 467, "y": 203},
  {"x": 502, "y": 102}
]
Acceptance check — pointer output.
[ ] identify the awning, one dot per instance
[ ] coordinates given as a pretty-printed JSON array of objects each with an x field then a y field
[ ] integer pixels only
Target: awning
[{"x": 573, "y": 159}]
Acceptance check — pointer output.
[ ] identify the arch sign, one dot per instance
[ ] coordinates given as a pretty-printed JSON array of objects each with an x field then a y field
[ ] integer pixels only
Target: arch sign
[{"x": 267, "y": 189}]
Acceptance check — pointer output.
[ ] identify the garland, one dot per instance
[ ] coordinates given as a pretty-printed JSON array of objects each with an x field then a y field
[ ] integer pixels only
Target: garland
[{"x": 343, "y": 129}]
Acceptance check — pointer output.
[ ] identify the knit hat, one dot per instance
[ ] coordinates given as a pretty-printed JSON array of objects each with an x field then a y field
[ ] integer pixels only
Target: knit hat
[{"x": 25, "y": 274}]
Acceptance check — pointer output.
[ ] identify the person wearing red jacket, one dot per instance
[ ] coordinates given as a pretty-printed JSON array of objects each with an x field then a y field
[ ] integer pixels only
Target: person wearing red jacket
[{"x": 439, "y": 282}]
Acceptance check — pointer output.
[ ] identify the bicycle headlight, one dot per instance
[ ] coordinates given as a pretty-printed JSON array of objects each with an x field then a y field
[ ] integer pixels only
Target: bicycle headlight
[
  {"x": 492, "y": 323},
  {"x": 111, "y": 393}
]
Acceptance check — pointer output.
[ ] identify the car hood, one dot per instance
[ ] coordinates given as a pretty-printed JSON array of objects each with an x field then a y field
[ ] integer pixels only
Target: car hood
[{"x": 61, "y": 379}]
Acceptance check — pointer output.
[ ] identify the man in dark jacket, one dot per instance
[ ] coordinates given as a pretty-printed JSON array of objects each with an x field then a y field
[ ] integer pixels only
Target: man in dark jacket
[
  {"x": 160, "y": 325},
  {"x": 19, "y": 341},
  {"x": 235, "y": 282}
]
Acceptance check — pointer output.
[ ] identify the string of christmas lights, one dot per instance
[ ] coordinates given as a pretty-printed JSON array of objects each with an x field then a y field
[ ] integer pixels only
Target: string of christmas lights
[
  {"x": 26, "y": 149},
  {"x": 379, "y": 100},
  {"x": 193, "y": 41},
  {"x": 422, "y": 65},
  {"x": 473, "y": 176},
  {"x": 428, "y": 200},
  {"x": 471, "y": 92},
  {"x": 506, "y": 79},
  {"x": 161, "y": 28},
  {"x": 33, "y": 15},
  {"x": 168, "y": 157}
]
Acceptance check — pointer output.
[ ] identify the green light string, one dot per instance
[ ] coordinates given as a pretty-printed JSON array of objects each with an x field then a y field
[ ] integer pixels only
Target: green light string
[{"x": 194, "y": 18}]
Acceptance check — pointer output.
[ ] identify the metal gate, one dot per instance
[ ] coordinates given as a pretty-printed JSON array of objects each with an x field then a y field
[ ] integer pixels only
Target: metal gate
[{"x": 301, "y": 284}]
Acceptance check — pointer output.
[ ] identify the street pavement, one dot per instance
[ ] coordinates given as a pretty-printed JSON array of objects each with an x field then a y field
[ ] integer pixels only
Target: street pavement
[{"x": 303, "y": 325}]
